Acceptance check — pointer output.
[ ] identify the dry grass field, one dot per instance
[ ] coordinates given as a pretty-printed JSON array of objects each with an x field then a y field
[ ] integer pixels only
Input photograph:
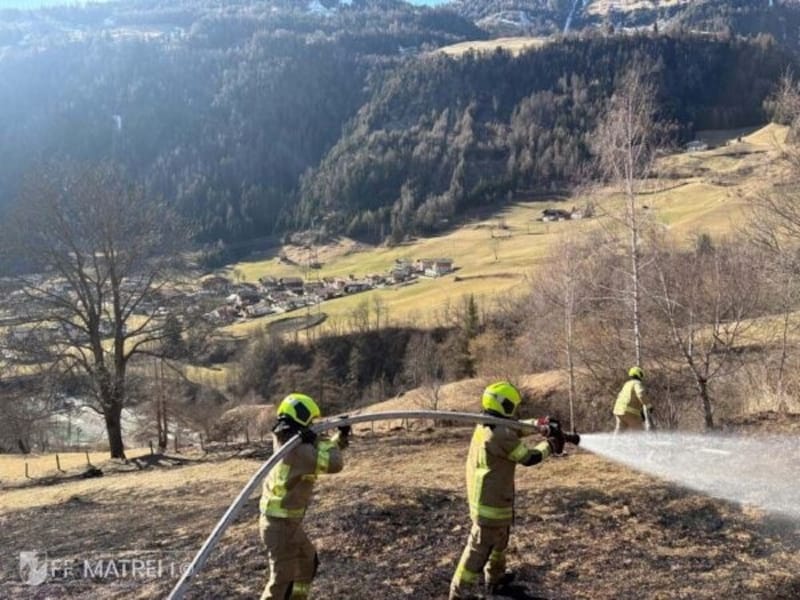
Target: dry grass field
[
  {"x": 12, "y": 466},
  {"x": 515, "y": 45},
  {"x": 393, "y": 524},
  {"x": 602, "y": 7}
]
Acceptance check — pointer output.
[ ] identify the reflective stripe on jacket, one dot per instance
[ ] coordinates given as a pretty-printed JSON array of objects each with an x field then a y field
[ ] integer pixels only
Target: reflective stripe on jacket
[
  {"x": 630, "y": 399},
  {"x": 287, "y": 489},
  {"x": 491, "y": 463}
]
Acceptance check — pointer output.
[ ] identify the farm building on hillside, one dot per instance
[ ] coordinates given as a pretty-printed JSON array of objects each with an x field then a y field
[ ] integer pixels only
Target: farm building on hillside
[
  {"x": 434, "y": 267},
  {"x": 555, "y": 214},
  {"x": 402, "y": 272},
  {"x": 216, "y": 283},
  {"x": 696, "y": 146},
  {"x": 292, "y": 284},
  {"x": 259, "y": 310},
  {"x": 354, "y": 287}
]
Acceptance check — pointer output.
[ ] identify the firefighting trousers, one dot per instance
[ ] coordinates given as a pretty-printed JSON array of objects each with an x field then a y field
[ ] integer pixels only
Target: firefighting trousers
[
  {"x": 485, "y": 551},
  {"x": 628, "y": 422},
  {"x": 291, "y": 557}
]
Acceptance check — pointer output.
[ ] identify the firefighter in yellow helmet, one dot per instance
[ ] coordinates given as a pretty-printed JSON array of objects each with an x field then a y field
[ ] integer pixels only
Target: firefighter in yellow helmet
[
  {"x": 494, "y": 453},
  {"x": 286, "y": 493},
  {"x": 631, "y": 411}
]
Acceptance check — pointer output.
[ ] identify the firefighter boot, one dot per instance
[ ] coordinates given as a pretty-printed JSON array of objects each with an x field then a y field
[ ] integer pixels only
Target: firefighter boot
[{"x": 502, "y": 585}]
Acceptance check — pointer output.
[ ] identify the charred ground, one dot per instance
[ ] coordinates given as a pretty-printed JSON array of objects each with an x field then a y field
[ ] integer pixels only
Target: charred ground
[{"x": 393, "y": 524}]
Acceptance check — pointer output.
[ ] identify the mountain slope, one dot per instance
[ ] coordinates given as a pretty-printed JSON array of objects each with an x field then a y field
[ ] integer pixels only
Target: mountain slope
[
  {"x": 217, "y": 110},
  {"x": 259, "y": 118},
  {"x": 445, "y": 135},
  {"x": 778, "y": 18}
]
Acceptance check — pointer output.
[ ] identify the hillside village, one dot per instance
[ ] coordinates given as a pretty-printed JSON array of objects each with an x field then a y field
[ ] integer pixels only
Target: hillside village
[
  {"x": 275, "y": 295},
  {"x": 233, "y": 300}
]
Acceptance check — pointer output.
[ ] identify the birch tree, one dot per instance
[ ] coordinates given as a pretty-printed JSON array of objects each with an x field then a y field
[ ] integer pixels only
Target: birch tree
[{"x": 625, "y": 144}]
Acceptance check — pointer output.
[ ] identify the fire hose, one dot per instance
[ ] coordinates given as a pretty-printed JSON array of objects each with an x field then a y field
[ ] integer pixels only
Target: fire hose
[{"x": 200, "y": 558}]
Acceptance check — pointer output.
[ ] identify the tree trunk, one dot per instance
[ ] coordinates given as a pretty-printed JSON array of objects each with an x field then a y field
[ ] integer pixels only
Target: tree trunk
[
  {"x": 702, "y": 387},
  {"x": 635, "y": 281},
  {"x": 568, "y": 318},
  {"x": 163, "y": 425},
  {"x": 161, "y": 403},
  {"x": 113, "y": 416}
]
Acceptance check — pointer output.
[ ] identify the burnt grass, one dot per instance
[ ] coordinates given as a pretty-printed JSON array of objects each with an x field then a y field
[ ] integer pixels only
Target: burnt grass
[{"x": 394, "y": 523}]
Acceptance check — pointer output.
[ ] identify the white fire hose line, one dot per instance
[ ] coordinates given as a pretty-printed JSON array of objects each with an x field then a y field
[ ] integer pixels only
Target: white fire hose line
[
  {"x": 716, "y": 451},
  {"x": 205, "y": 550}
]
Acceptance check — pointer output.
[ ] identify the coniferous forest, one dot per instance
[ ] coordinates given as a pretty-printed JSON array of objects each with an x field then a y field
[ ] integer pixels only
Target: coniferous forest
[{"x": 258, "y": 118}]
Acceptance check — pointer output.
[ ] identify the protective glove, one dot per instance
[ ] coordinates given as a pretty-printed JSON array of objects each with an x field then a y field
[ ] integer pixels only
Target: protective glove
[
  {"x": 343, "y": 437},
  {"x": 556, "y": 442},
  {"x": 547, "y": 425},
  {"x": 307, "y": 435},
  {"x": 550, "y": 428},
  {"x": 572, "y": 438},
  {"x": 344, "y": 430},
  {"x": 554, "y": 427}
]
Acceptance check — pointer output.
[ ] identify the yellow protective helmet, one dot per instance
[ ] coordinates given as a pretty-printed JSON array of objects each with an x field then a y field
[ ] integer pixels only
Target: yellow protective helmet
[
  {"x": 636, "y": 373},
  {"x": 501, "y": 397},
  {"x": 299, "y": 408}
]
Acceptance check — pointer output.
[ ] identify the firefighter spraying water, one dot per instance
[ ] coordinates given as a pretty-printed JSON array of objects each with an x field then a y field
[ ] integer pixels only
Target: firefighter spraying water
[
  {"x": 760, "y": 471},
  {"x": 193, "y": 570},
  {"x": 494, "y": 453}
]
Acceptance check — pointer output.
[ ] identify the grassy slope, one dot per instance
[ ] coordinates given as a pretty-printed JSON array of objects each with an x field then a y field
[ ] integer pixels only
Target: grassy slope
[
  {"x": 472, "y": 246},
  {"x": 515, "y": 45},
  {"x": 701, "y": 192},
  {"x": 585, "y": 529},
  {"x": 602, "y": 7},
  {"x": 12, "y": 466}
]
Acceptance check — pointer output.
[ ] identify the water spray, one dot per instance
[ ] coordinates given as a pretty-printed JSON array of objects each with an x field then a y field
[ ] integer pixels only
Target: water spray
[{"x": 759, "y": 471}]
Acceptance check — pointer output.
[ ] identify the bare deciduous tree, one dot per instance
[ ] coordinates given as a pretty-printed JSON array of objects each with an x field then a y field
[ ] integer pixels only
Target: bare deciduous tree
[
  {"x": 27, "y": 409},
  {"x": 568, "y": 292},
  {"x": 358, "y": 317},
  {"x": 774, "y": 226},
  {"x": 625, "y": 144},
  {"x": 94, "y": 250},
  {"x": 424, "y": 369},
  {"x": 708, "y": 298}
]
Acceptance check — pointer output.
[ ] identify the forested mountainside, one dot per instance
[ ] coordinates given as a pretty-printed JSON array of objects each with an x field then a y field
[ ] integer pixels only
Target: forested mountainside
[
  {"x": 217, "y": 105},
  {"x": 262, "y": 116},
  {"x": 779, "y": 18},
  {"x": 519, "y": 17},
  {"x": 443, "y": 134}
]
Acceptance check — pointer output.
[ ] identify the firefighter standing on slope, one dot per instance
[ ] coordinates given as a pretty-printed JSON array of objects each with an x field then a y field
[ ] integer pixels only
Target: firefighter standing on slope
[
  {"x": 287, "y": 491},
  {"x": 631, "y": 412},
  {"x": 493, "y": 456}
]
